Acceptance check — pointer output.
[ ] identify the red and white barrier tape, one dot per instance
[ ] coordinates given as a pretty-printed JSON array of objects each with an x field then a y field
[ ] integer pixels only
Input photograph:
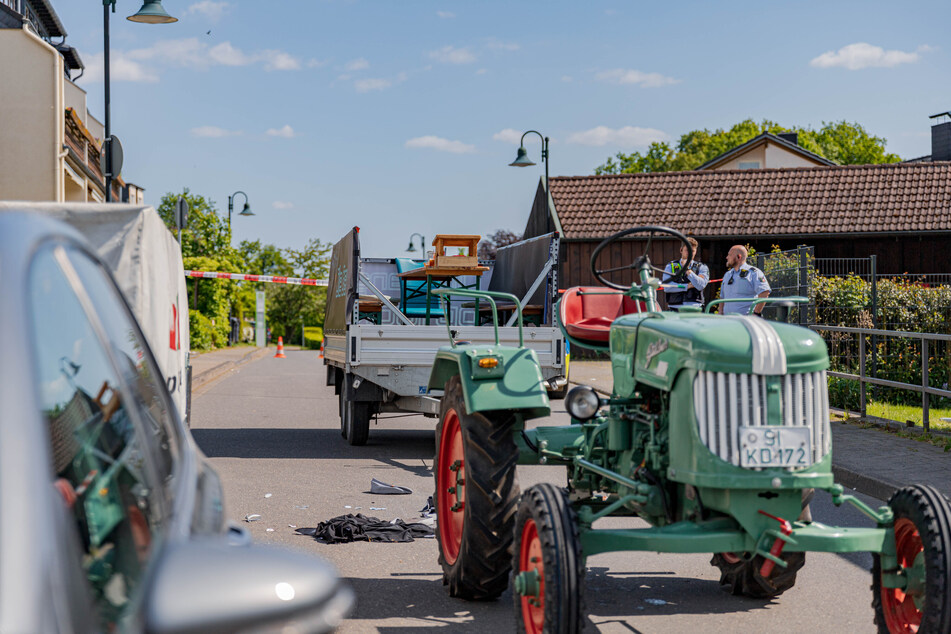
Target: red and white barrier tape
[{"x": 244, "y": 277}]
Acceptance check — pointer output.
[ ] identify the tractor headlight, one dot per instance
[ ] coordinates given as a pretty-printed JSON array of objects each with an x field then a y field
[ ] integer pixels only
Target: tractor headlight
[{"x": 582, "y": 402}]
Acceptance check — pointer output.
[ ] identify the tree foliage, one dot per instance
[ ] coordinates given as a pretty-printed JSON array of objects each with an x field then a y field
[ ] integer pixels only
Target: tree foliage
[
  {"x": 842, "y": 142},
  {"x": 490, "y": 244},
  {"x": 206, "y": 246}
]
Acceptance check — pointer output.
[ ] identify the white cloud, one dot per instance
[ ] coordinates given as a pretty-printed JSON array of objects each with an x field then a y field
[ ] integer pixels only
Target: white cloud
[
  {"x": 209, "y": 8},
  {"x": 356, "y": 64},
  {"x": 508, "y": 135},
  {"x": 214, "y": 132},
  {"x": 123, "y": 69},
  {"x": 496, "y": 45},
  {"x": 144, "y": 64},
  {"x": 446, "y": 15},
  {"x": 279, "y": 60},
  {"x": 636, "y": 77},
  {"x": 287, "y": 132},
  {"x": 316, "y": 63},
  {"x": 440, "y": 144},
  {"x": 453, "y": 55},
  {"x": 370, "y": 85},
  {"x": 280, "y": 204},
  {"x": 628, "y": 136},
  {"x": 862, "y": 55}
]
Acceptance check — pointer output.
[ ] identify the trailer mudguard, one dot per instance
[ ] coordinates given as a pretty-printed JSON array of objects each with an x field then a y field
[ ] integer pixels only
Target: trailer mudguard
[{"x": 515, "y": 381}]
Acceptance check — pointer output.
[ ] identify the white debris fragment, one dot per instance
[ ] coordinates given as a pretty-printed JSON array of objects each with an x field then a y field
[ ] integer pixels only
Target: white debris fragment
[
  {"x": 267, "y": 495},
  {"x": 655, "y": 602},
  {"x": 269, "y": 530},
  {"x": 252, "y": 517}
]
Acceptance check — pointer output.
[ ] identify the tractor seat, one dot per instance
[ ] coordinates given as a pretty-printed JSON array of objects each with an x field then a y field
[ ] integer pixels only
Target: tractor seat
[{"x": 587, "y": 312}]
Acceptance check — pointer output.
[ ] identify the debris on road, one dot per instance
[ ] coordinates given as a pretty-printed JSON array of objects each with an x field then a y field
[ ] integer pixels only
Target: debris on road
[
  {"x": 382, "y": 488},
  {"x": 267, "y": 495},
  {"x": 655, "y": 602},
  {"x": 301, "y": 507},
  {"x": 252, "y": 517},
  {"x": 350, "y": 528}
]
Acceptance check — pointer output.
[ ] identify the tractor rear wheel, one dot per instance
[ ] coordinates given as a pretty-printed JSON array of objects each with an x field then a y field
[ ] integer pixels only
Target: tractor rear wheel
[
  {"x": 742, "y": 574},
  {"x": 476, "y": 497},
  {"x": 923, "y": 545},
  {"x": 549, "y": 568}
]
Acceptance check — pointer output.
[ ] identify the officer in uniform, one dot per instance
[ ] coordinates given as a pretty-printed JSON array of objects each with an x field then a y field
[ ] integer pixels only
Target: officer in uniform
[
  {"x": 696, "y": 275},
  {"x": 742, "y": 280}
]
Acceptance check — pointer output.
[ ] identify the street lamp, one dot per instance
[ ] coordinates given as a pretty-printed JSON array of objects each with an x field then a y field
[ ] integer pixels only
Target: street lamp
[
  {"x": 151, "y": 12},
  {"x": 246, "y": 211},
  {"x": 522, "y": 160},
  {"x": 422, "y": 243}
]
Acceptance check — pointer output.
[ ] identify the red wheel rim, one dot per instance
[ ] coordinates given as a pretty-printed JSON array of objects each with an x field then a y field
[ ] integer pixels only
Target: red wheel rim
[
  {"x": 530, "y": 558},
  {"x": 451, "y": 497},
  {"x": 901, "y": 613},
  {"x": 730, "y": 558}
]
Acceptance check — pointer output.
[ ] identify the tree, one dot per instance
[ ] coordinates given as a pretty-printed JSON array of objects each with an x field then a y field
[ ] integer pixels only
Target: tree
[
  {"x": 490, "y": 245},
  {"x": 207, "y": 234},
  {"x": 289, "y": 305},
  {"x": 842, "y": 142}
]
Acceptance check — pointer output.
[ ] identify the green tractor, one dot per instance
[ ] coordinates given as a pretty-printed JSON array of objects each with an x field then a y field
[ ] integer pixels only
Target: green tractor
[{"x": 716, "y": 433}]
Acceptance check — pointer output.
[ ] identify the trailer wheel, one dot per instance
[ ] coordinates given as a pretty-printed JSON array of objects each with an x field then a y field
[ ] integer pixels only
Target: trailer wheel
[
  {"x": 548, "y": 567},
  {"x": 356, "y": 421},
  {"x": 742, "y": 574},
  {"x": 476, "y": 497},
  {"x": 923, "y": 545}
]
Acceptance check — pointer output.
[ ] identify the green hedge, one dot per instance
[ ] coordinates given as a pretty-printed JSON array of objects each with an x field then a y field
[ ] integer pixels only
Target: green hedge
[{"x": 902, "y": 305}]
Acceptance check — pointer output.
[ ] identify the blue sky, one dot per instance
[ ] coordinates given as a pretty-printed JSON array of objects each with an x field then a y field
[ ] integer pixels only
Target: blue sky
[{"x": 402, "y": 117}]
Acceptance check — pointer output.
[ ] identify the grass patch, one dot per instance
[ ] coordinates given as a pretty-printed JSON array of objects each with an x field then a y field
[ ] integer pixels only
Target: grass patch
[{"x": 904, "y": 413}]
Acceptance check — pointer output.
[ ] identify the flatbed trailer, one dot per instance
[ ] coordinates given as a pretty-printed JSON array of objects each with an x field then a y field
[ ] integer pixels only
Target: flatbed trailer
[{"x": 379, "y": 351}]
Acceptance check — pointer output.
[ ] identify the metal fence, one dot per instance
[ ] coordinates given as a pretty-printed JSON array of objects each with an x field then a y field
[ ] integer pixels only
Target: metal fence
[
  {"x": 790, "y": 273},
  {"x": 924, "y": 357}
]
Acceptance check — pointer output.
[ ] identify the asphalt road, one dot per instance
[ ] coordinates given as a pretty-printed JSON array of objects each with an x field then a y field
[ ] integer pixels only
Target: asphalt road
[{"x": 271, "y": 430}]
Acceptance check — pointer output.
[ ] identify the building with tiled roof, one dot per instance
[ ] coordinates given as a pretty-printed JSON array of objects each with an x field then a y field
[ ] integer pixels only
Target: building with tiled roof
[
  {"x": 766, "y": 151},
  {"x": 900, "y": 212}
]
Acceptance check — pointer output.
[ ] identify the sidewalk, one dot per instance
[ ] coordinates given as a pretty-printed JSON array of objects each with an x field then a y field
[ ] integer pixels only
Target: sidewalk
[
  {"x": 871, "y": 461},
  {"x": 208, "y": 366}
]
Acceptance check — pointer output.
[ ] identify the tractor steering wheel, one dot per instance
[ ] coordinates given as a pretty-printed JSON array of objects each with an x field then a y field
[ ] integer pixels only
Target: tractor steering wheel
[{"x": 642, "y": 259}]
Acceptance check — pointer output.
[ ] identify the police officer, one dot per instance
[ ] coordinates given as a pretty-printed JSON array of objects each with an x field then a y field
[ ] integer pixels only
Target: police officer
[
  {"x": 742, "y": 280},
  {"x": 695, "y": 274}
]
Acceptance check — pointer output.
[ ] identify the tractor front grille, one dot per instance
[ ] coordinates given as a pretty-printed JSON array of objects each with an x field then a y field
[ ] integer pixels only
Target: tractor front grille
[{"x": 724, "y": 402}]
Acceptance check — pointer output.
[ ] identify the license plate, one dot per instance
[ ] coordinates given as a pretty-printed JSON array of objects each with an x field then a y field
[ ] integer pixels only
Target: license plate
[{"x": 775, "y": 447}]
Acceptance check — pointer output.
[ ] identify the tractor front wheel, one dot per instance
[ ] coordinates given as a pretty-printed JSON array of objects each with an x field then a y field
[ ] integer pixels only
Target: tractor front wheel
[
  {"x": 742, "y": 574},
  {"x": 923, "y": 545},
  {"x": 549, "y": 567},
  {"x": 476, "y": 497}
]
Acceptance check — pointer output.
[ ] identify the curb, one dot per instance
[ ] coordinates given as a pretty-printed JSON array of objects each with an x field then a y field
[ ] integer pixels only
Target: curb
[
  {"x": 206, "y": 376},
  {"x": 867, "y": 485}
]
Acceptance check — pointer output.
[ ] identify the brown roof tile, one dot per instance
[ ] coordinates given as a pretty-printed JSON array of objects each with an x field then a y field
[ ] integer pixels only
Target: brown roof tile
[{"x": 769, "y": 202}]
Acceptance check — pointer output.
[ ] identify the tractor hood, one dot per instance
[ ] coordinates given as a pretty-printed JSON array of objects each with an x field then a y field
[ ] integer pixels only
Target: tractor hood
[{"x": 654, "y": 347}]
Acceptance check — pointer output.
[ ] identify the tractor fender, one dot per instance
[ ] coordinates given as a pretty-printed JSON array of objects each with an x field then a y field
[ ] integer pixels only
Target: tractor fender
[{"x": 515, "y": 383}]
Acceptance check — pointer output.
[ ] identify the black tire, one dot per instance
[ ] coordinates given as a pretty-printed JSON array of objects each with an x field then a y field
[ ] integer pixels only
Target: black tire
[
  {"x": 356, "y": 422},
  {"x": 547, "y": 522},
  {"x": 476, "y": 552},
  {"x": 929, "y": 531},
  {"x": 343, "y": 424},
  {"x": 744, "y": 578}
]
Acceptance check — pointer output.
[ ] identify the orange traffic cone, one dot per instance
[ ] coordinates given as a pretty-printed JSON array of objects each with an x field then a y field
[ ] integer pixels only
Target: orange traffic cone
[{"x": 280, "y": 349}]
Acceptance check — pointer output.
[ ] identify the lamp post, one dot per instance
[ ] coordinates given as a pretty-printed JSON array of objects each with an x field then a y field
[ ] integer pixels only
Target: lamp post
[
  {"x": 246, "y": 211},
  {"x": 151, "y": 12},
  {"x": 522, "y": 160},
  {"x": 422, "y": 243}
]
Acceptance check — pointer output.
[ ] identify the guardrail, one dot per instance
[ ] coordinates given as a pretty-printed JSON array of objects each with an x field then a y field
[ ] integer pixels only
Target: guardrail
[{"x": 925, "y": 388}]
